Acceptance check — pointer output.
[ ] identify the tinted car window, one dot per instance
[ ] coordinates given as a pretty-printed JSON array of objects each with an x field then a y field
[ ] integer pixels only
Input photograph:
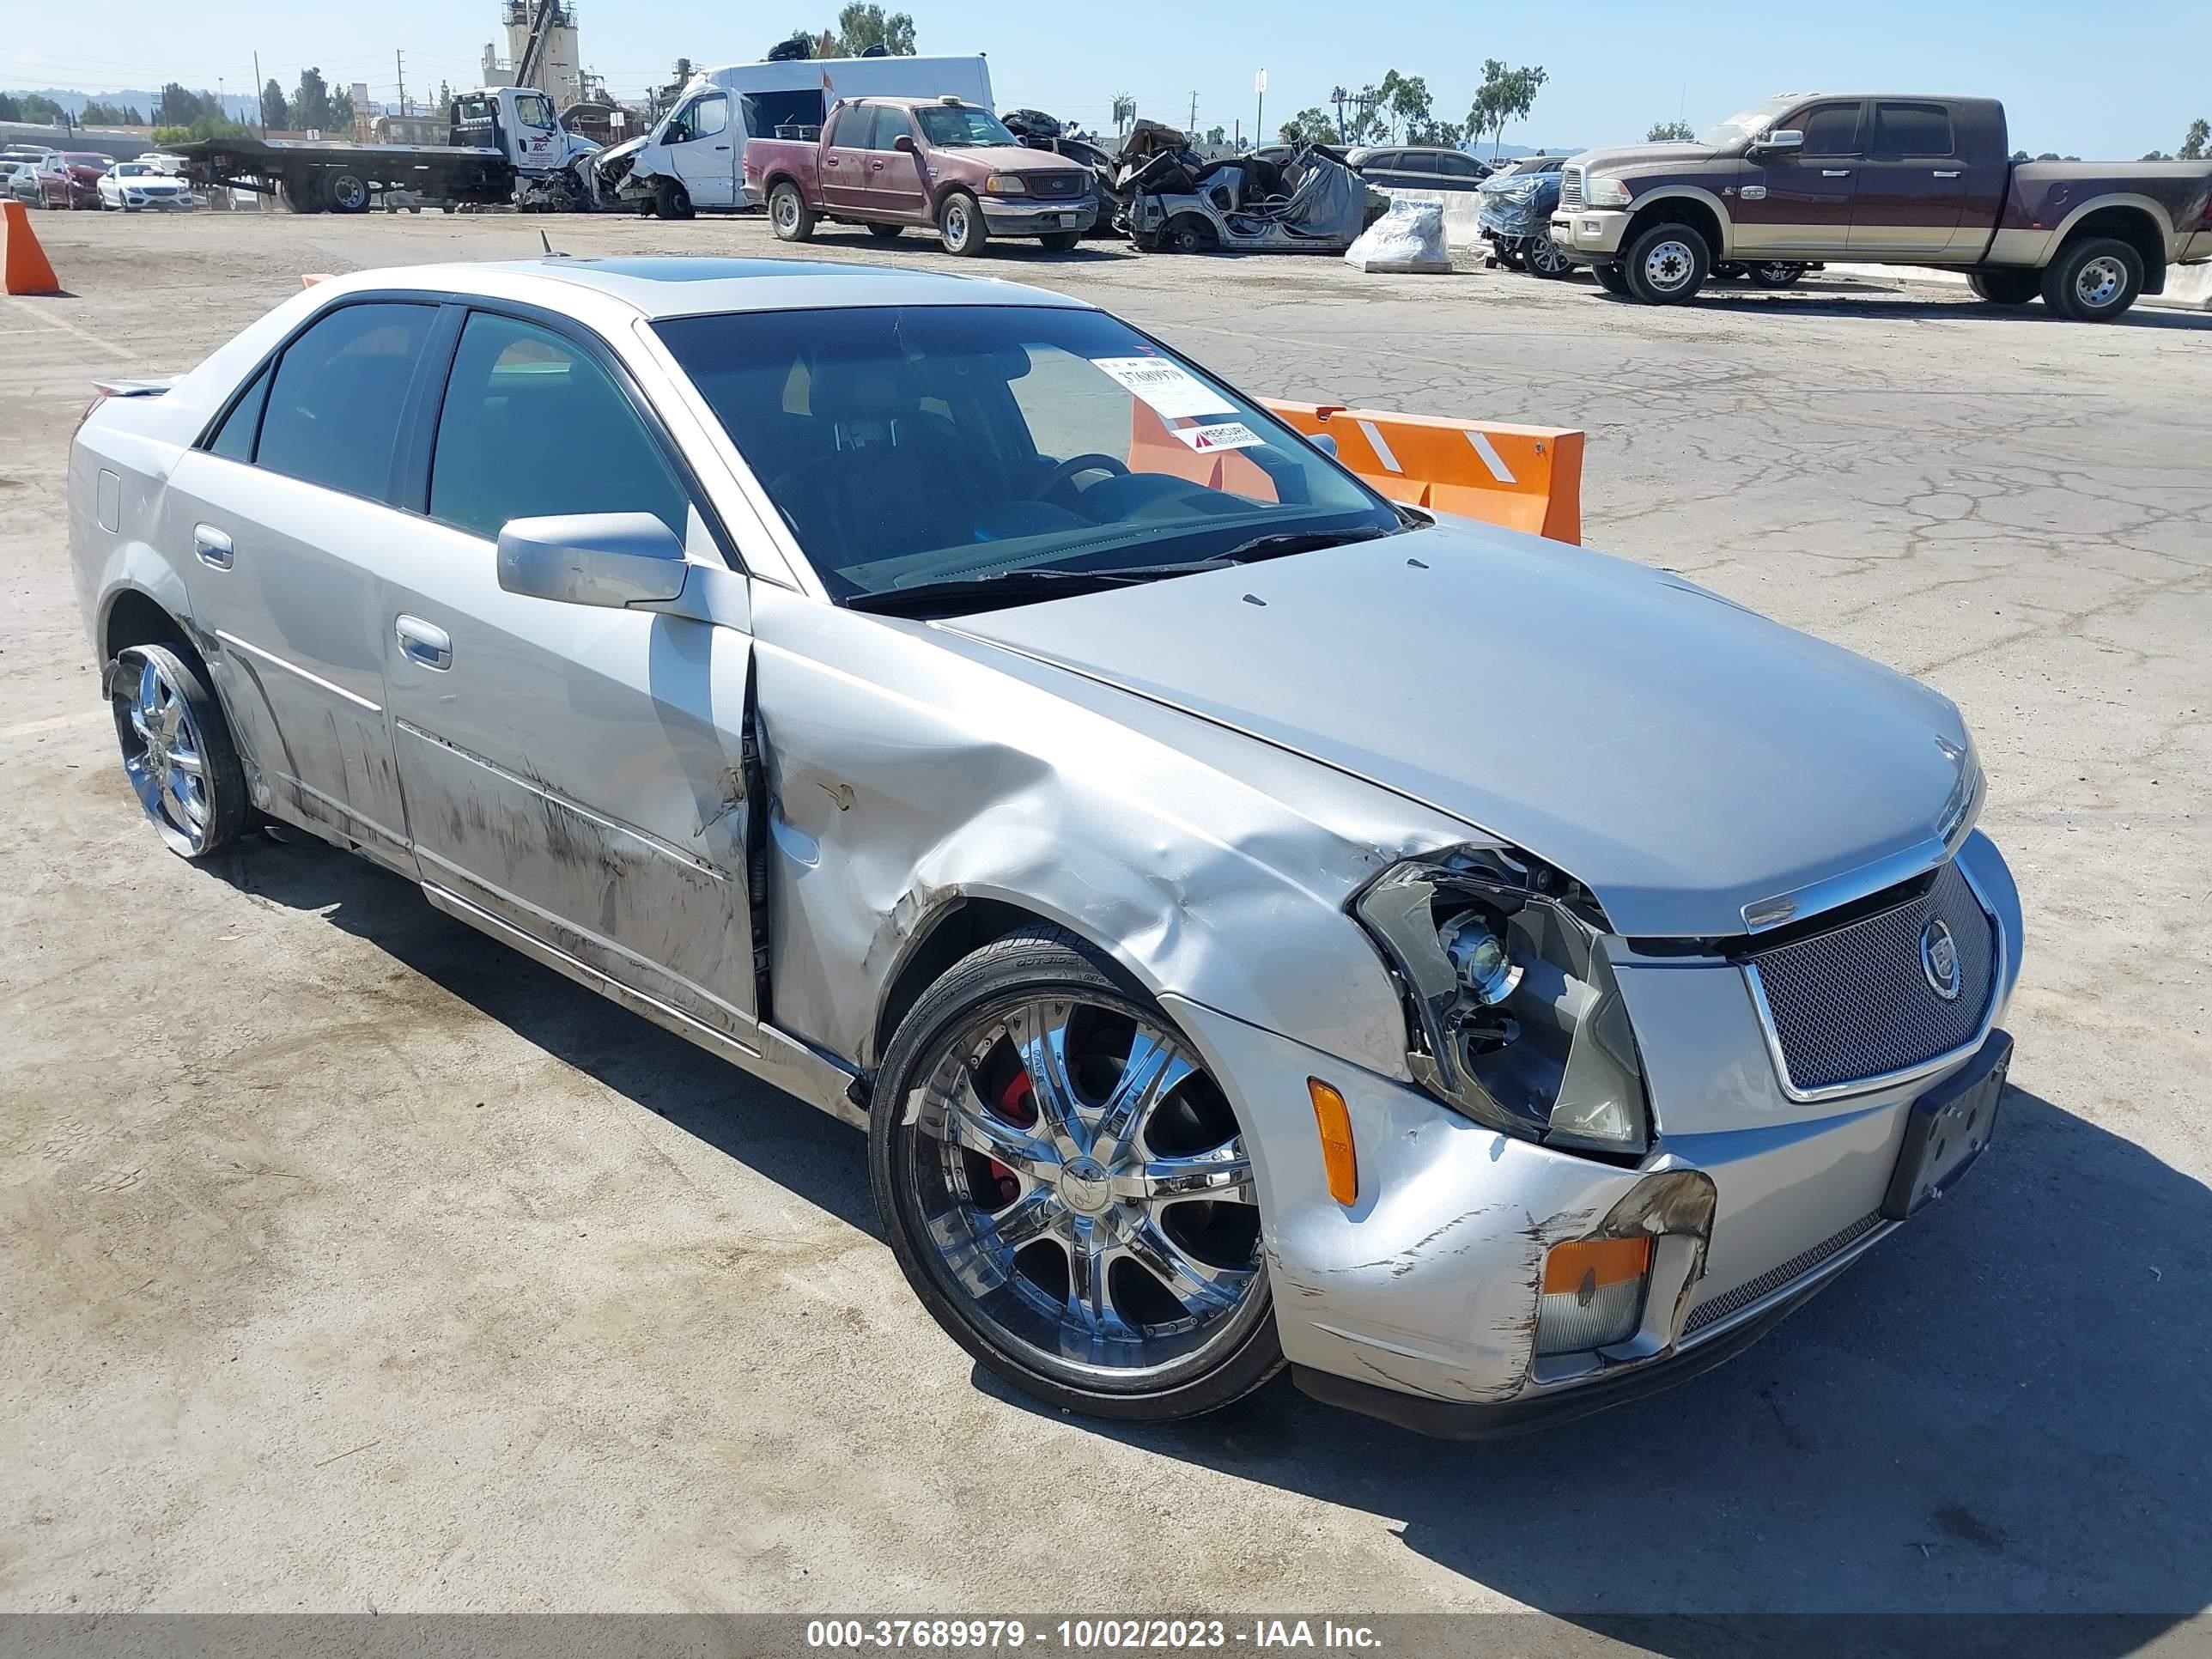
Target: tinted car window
[
  {"x": 1459, "y": 166},
  {"x": 848, "y": 128},
  {"x": 234, "y": 442},
  {"x": 1912, "y": 130},
  {"x": 1831, "y": 130},
  {"x": 892, "y": 125},
  {"x": 335, "y": 406},
  {"x": 521, "y": 407}
]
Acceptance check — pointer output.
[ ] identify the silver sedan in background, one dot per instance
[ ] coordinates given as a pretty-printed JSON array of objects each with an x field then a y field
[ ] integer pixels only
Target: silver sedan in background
[{"x": 1254, "y": 923}]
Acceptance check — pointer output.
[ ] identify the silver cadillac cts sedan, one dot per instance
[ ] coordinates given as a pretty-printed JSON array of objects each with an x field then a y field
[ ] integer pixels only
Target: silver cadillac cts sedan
[{"x": 1255, "y": 924}]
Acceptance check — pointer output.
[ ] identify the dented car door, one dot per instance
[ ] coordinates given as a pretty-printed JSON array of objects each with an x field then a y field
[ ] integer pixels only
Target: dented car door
[{"x": 573, "y": 771}]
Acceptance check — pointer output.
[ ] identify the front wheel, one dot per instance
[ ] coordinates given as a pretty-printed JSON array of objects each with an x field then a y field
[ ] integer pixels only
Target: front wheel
[
  {"x": 1545, "y": 259},
  {"x": 885, "y": 233},
  {"x": 960, "y": 225},
  {"x": 672, "y": 200},
  {"x": 2094, "y": 280},
  {"x": 1067, "y": 1190},
  {"x": 788, "y": 216},
  {"x": 1061, "y": 241},
  {"x": 1666, "y": 265},
  {"x": 177, "y": 750}
]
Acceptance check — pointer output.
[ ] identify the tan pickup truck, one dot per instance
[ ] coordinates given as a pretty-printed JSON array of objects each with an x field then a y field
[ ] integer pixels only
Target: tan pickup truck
[{"x": 1891, "y": 179}]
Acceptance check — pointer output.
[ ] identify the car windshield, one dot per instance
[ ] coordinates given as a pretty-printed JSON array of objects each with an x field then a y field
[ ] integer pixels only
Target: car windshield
[
  {"x": 131, "y": 170},
  {"x": 906, "y": 446},
  {"x": 1748, "y": 123},
  {"x": 85, "y": 159},
  {"x": 961, "y": 126}
]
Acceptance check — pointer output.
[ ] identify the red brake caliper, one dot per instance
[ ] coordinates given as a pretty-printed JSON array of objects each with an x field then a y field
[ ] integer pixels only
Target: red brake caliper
[{"x": 1017, "y": 1103}]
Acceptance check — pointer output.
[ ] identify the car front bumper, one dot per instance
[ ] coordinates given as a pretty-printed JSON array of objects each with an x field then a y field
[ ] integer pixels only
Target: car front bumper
[
  {"x": 1004, "y": 218},
  {"x": 1419, "y": 1302},
  {"x": 1591, "y": 235}
]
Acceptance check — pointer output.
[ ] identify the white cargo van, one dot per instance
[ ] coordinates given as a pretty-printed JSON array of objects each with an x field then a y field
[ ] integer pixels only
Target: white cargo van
[{"x": 695, "y": 159}]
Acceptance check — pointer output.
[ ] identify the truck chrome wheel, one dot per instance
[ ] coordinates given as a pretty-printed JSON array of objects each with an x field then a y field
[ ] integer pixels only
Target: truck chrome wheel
[
  {"x": 1669, "y": 265},
  {"x": 1084, "y": 1186},
  {"x": 2100, "y": 283}
]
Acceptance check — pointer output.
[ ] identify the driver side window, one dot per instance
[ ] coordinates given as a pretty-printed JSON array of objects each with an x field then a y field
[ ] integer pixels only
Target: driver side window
[
  {"x": 707, "y": 117},
  {"x": 1831, "y": 129}
]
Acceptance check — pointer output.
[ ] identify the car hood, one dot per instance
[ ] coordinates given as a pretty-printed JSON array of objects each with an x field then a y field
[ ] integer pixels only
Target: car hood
[
  {"x": 1000, "y": 159},
  {"x": 1638, "y": 155},
  {"x": 1683, "y": 757}
]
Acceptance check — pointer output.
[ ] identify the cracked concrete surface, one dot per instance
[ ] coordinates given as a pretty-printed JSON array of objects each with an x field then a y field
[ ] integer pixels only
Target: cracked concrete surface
[{"x": 352, "y": 1260}]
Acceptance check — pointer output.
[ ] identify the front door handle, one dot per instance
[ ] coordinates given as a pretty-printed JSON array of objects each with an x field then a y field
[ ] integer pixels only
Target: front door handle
[
  {"x": 425, "y": 642},
  {"x": 1941, "y": 173},
  {"x": 212, "y": 546},
  {"x": 721, "y": 147},
  {"x": 1835, "y": 173}
]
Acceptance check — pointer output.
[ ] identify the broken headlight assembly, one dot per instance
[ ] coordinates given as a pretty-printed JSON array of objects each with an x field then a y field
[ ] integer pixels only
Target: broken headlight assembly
[{"x": 1513, "y": 1014}]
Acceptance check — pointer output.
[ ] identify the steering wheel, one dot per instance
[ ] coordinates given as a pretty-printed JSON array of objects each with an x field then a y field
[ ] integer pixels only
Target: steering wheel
[{"x": 1074, "y": 467}]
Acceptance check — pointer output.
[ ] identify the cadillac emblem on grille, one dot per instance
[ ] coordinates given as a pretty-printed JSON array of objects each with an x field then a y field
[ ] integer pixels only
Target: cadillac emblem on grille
[{"x": 1939, "y": 958}]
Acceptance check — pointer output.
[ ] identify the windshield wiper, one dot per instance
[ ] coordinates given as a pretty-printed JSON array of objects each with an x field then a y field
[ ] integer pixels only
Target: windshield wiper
[{"x": 1285, "y": 543}]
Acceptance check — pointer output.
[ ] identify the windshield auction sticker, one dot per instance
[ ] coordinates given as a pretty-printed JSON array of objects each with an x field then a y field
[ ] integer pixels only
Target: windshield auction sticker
[
  {"x": 1222, "y": 434},
  {"x": 1171, "y": 390}
]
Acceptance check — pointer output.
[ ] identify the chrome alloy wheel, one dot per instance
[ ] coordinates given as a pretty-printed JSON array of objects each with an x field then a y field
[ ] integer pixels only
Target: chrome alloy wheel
[
  {"x": 164, "y": 758},
  {"x": 1087, "y": 1188},
  {"x": 2100, "y": 283},
  {"x": 1668, "y": 265}
]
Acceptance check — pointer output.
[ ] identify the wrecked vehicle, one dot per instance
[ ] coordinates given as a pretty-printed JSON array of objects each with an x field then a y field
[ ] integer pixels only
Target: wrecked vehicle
[
  {"x": 948, "y": 704},
  {"x": 1515, "y": 215},
  {"x": 1312, "y": 203}
]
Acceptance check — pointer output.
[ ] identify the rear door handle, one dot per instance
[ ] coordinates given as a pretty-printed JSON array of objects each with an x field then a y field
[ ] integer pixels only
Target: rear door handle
[
  {"x": 1835, "y": 173},
  {"x": 721, "y": 147},
  {"x": 428, "y": 644},
  {"x": 1943, "y": 173},
  {"x": 212, "y": 546}
]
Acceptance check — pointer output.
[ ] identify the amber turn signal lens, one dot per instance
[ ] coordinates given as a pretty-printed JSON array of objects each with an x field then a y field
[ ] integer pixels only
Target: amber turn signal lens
[
  {"x": 1594, "y": 1263},
  {"x": 1337, "y": 1155}
]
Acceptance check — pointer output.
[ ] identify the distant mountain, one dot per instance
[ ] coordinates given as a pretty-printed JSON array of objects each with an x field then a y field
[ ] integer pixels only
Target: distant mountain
[{"x": 239, "y": 106}]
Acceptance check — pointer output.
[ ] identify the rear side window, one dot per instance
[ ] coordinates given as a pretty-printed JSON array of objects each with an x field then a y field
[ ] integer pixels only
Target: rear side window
[
  {"x": 848, "y": 128},
  {"x": 1901, "y": 130},
  {"x": 235, "y": 441},
  {"x": 335, "y": 406},
  {"x": 532, "y": 427},
  {"x": 1831, "y": 130}
]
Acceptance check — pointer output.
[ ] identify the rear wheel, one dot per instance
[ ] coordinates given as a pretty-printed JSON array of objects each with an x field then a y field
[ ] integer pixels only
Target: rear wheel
[
  {"x": 1187, "y": 234},
  {"x": 1611, "y": 279},
  {"x": 1068, "y": 1191},
  {"x": 177, "y": 750},
  {"x": 1666, "y": 265},
  {"x": 347, "y": 191},
  {"x": 2005, "y": 288},
  {"x": 672, "y": 200},
  {"x": 1061, "y": 241},
  {"x": 303, "y": 194},
  {"x": 2094, "y": 280},
  {"x": 960, "y": 225},
  {"x": 788, "y": 216},
  {"x": 1777, "y": 273},
  {"x": 885, "y": 233}
]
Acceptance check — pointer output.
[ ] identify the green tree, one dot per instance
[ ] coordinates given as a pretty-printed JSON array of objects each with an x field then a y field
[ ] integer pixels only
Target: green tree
[
  {"x": 9, "y": 109},
  {"x": 1671, "y": 132},
  {"x": 1406, "y": 103},
  {"x": 36, "y": 107},
  {"x": 445, "y": 108},
  {"x": 1505, "y": 95},
  {"x": 1307, "y": 126},
  {"x": 208, "y": 123},
  {"x": 311, "y": 103},
  {"x": 1445, "y": 135},
  {"x": 2193, "y": 147},
  {"x": 342, "y": 110},
  {"x": 862, "y": 26},
  {"x": 98, "y": 114},
  {"x": 275, "y": 108}
]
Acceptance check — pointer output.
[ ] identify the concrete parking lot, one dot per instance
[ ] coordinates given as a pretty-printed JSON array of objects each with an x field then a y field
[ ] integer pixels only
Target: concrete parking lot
[{"x": 354, "y": 1262}]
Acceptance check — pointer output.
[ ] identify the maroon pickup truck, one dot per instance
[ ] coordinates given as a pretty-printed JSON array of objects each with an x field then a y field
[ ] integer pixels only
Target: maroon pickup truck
[
  {"x": 1889, "y": 179},
  {"x": 890, "y": 162}
]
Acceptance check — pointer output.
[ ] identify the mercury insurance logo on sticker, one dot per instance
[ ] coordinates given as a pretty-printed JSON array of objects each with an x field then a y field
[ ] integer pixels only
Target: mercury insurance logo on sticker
[
  {"x": 1222, "y": 434},
  {"x": 1171, "y": 390}
]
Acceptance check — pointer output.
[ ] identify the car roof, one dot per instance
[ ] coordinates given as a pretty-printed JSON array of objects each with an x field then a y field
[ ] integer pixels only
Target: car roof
[{"x": 695, "y": 285}]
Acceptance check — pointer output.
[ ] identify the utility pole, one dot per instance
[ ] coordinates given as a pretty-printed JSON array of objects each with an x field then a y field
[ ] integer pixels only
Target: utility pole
[
  {"x": 1193, "y": 112},
  {"x": 1260, "y": 111},
  {"x": 399, "y": 68},
  {"x": 258, "y": 84}
]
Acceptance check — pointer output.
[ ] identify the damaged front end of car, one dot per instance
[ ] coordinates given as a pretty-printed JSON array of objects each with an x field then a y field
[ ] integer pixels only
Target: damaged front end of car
[{"x": 1514, "y": 1016}]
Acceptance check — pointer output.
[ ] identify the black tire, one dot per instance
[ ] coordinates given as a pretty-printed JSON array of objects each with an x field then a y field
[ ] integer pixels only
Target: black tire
[
  {"x": 1667, "y": 264},
  {"x": 1775, "y": 273},
  {"x": 1508, "y": 256},
  {"x": 148, "y": 677},
  {"x": 1188, "y": 233},
  {"x": 303, "y": 194},
  {"x": 885, "y": 233},
  {"x": 1061, "y": 241},
  {"x": 347, "y": 191},
  {"x": 1612, "y": 278},
  {"x": 1545, "y": 260},
  {"x": 2006, "y": 286},
  {"x": 960, "y": 225},
  {"x": 673, "y": 201},
  {"x": 1035, "y": 964},
  {"x": 2094, "y": 280},
  {"x": 788, "y": 216}
]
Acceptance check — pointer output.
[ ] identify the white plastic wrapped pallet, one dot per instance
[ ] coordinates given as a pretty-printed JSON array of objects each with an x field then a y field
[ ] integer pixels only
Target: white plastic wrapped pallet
[{"x": 1410, "y": 237}]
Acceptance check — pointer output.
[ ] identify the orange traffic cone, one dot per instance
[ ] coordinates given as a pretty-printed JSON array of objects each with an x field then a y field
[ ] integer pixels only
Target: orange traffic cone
[{"x": 23, "y": 267}]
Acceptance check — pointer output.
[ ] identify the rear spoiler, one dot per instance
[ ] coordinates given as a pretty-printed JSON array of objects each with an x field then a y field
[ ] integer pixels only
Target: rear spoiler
[{"x": 152, "y": 386}]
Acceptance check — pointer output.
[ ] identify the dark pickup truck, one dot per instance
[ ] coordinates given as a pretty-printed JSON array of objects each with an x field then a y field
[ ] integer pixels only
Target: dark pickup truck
[{"x": 1890, "y": 178}]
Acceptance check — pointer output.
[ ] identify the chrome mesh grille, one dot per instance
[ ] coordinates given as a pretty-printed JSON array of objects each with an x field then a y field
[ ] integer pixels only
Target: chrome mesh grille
[
  {"x": 1775, "y": 1279},
  {"x": 1854, "y": 1003},
  {"x": 1570, "y": 187}
]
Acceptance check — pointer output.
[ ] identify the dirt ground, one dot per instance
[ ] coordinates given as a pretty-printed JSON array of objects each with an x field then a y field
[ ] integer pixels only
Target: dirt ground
[{"x": 354, "y": 1262}]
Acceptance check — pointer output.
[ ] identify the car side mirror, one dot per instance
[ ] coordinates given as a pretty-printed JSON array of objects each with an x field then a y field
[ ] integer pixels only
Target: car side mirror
[
  {"x": 1325, "y": 442},
  {"x": 903, "y": 143},
  {"x": 1779, "y": 142},
  {"x": 614, "y": 561}
]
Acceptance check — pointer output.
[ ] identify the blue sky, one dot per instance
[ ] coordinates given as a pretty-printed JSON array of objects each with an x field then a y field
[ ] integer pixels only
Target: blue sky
[{"x": 2111, "y": 80}]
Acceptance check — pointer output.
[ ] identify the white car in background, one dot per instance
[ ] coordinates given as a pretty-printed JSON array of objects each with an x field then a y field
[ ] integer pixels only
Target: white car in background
[
  {"x": 131, "y": 185},
  {"x": 162, "y": 162}
]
